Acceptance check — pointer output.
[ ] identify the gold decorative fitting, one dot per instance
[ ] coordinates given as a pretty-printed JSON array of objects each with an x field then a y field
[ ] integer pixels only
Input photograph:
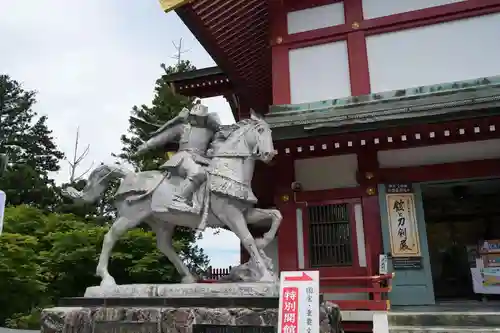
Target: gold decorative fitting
[
  {"x": 369, "y": 175},
  {"x": 355, "y": 25},
  {"x": 285, "y": 198},
  {"x": 370, "y": 191},
  {"x": 279, "y": 40}
]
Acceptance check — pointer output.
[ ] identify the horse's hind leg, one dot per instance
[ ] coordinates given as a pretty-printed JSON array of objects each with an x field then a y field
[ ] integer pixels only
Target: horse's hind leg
[
  {"x": 164, "y": 232},
  {"x": 255, "y": 215},
  {"x": 232, "y": 216},
  {"x": 119, "y": 227}
]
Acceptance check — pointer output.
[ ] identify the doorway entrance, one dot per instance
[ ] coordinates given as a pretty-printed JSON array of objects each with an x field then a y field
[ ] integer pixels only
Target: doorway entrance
[{"x": 458, "y": 217}]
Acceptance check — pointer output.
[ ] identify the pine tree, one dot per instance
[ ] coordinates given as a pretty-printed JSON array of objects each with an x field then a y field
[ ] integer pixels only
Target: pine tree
[
  {"x": 28, "y": 143},
  {"x": 165, "y": 106}
]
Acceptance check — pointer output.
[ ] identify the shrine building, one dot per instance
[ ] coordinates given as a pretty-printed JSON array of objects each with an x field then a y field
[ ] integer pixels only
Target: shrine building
[{"x": 386, "y": 119}]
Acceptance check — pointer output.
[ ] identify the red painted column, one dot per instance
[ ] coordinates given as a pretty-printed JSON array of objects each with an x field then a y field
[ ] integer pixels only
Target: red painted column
[
  {"x": 243, "y": 109},
  {"x": 280, "y": 60},
  {"x": 356, "y": 49},
  {"x": 367, "y": 171},
  {"x": 287, "y": 233}
]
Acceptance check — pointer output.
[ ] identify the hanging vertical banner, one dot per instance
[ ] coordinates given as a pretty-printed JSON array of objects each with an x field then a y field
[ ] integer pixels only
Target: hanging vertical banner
[
  {"x": 168, "y": 5},
  {"x": 403, "y": 227},
  {"x": 2, "y": 209}
]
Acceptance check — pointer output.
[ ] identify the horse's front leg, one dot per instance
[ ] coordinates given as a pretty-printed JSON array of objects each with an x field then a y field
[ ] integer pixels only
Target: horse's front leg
[
  {"x": 164, "y": 232},
  {"x": 255, "y": 215},
  {"x": 119, "y": 227},
  {"x": 230, "y": 213}
]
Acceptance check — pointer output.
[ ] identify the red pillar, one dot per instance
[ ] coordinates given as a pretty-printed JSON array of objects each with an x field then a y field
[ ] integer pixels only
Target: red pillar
[
  {"x": 367, "y": 171},
  {"x": 284, "y": 172}
]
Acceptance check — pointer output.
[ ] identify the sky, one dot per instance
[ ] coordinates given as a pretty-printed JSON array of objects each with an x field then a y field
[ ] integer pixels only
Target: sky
[{"x": 90, "y": 62}]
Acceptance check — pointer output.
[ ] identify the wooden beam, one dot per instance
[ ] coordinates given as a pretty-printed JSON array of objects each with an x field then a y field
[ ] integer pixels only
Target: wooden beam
[{"x": 438, "y": 172}]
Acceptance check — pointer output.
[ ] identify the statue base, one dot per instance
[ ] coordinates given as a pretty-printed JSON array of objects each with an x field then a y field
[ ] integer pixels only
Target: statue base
[
  {"x": 240, "y": 289},
  {"x": 153, "y": 314}
]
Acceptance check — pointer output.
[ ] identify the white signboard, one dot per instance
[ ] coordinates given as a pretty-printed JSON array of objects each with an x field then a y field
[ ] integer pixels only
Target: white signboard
[
  {"x": 403, "y": 225},
  {"x": 299, "y": 302},
  {"x": 383, "y": 264},
  {"x": 2, "y": 209}
]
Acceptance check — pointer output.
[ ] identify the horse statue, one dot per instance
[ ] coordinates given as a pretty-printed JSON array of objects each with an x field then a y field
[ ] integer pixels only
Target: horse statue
[{"x": 224, "y": 200}]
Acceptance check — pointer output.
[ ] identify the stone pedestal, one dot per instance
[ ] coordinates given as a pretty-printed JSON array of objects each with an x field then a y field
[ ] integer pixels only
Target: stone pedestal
[
  {"x": 154, "y": 314},
  {"x": 195, "y": 290}
]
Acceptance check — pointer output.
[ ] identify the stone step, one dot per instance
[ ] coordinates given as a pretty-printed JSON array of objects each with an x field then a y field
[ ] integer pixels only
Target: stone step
[
  {"x": 449, "y": 329},
  {"x": 444, "y": 319}
]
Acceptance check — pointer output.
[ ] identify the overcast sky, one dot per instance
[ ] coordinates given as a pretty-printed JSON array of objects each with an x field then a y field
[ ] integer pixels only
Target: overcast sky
[{"x": 90, "y": 62}]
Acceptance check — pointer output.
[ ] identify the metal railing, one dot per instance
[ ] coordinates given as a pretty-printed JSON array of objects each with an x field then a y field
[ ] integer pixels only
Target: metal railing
[{"x": 214, "y": 274}]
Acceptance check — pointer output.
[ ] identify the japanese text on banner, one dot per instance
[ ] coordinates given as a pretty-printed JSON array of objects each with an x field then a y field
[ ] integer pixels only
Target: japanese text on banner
[
  {"x": 309, "y": 317},
  {"x": 403, "y": 225},
  {"x": 289, "y": 318}
]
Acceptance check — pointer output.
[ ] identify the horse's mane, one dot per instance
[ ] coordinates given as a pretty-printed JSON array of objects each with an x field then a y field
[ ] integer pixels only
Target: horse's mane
[{"x": 225, "y": 131}]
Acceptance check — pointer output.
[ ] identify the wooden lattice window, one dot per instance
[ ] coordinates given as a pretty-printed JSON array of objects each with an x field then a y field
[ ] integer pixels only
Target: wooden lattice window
[{"x": 330, "y": 237}]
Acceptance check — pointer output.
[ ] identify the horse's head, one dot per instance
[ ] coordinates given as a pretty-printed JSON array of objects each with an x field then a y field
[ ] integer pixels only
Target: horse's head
[
  {"x": 247, "y": 138},
  {"x": 259, "y": 138}
]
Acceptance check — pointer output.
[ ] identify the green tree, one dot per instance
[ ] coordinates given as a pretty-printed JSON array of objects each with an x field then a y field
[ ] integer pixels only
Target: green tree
[
  {"x": 20, "y": 274},
  {"x": 165, "y": 105},
  {"x": 48, "y": 256},
  {"x": 29, "y": 146}
]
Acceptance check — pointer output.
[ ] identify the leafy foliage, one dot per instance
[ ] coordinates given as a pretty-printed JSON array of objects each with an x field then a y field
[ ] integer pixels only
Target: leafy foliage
[
  {"x": 20, "y": 274},
  {"x": 165, "y": 106},
  {"x": 29, "y": 145},
  {"x": 46, "y": 257}
]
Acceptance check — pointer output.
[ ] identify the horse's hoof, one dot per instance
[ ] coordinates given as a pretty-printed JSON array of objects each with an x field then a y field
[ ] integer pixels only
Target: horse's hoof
[
  {"x": 188, "y": 279},
  {"x": 268, "y": 278},
  {"x": 108, "y": 281}
]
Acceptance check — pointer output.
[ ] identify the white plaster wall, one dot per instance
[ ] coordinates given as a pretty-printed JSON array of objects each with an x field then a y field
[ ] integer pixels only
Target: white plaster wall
[
  {"x": 360, "y": 234},
  {"x": 329, "y": 172},
  {"x": 272, "y": 252},
  {"x": 378, "y": 8},
  {"x": 319, "y": 72},
  {"x": 315, "y": 18},
  {"x": 439, "y": 53},
  {"x": 449, "y": 153}
]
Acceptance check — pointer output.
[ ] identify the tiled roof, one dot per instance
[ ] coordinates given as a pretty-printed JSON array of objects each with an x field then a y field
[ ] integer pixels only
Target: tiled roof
[{"x": 236, "y": 34}]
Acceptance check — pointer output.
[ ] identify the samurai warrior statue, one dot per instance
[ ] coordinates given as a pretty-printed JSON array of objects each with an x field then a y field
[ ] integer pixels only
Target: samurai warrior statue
[{"x": 194, "y": 130}]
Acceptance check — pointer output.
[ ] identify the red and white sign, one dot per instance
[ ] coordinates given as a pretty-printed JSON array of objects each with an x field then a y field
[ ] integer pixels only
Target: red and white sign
[{"x": 299, "y": 302}]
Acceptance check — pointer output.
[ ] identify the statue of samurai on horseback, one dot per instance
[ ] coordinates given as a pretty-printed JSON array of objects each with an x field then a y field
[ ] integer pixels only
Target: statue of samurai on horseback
[
  {"x": 206, "y": 183},
  {"x": 194, "y": 131}
]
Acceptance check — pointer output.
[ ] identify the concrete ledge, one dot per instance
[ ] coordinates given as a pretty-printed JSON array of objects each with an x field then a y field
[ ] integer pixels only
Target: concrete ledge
[{"x": 193, "y": 290}]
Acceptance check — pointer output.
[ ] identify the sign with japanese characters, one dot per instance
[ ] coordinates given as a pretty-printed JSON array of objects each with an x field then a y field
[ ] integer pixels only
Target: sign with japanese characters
[
  {"x": 299, "y": 302},
  {"x": 399, "y": 188},
  {"x": 383, "y": 264},
  {"x": 2, "y": 209},
  {"x": 403, "y": 225}
]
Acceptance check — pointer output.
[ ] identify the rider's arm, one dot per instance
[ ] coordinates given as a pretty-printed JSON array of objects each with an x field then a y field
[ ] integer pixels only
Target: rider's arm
[
  {"x": 161, "y": 139},
  {"x": 181, "y": 117}
]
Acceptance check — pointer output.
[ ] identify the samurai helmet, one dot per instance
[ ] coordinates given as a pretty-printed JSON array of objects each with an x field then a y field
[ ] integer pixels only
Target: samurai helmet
[{"x": 199, "y": 110}]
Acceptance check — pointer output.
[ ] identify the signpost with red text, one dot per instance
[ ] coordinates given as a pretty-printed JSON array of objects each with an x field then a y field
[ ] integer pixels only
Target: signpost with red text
[{"x": 299, "y": 302}]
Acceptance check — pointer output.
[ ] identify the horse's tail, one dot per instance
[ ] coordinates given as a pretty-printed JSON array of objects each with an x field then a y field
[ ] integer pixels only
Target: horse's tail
[{"x": 97, "y": 183}]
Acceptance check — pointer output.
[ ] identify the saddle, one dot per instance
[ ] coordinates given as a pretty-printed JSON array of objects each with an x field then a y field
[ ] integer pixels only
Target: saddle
[{"x": 163, "y": 195}]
